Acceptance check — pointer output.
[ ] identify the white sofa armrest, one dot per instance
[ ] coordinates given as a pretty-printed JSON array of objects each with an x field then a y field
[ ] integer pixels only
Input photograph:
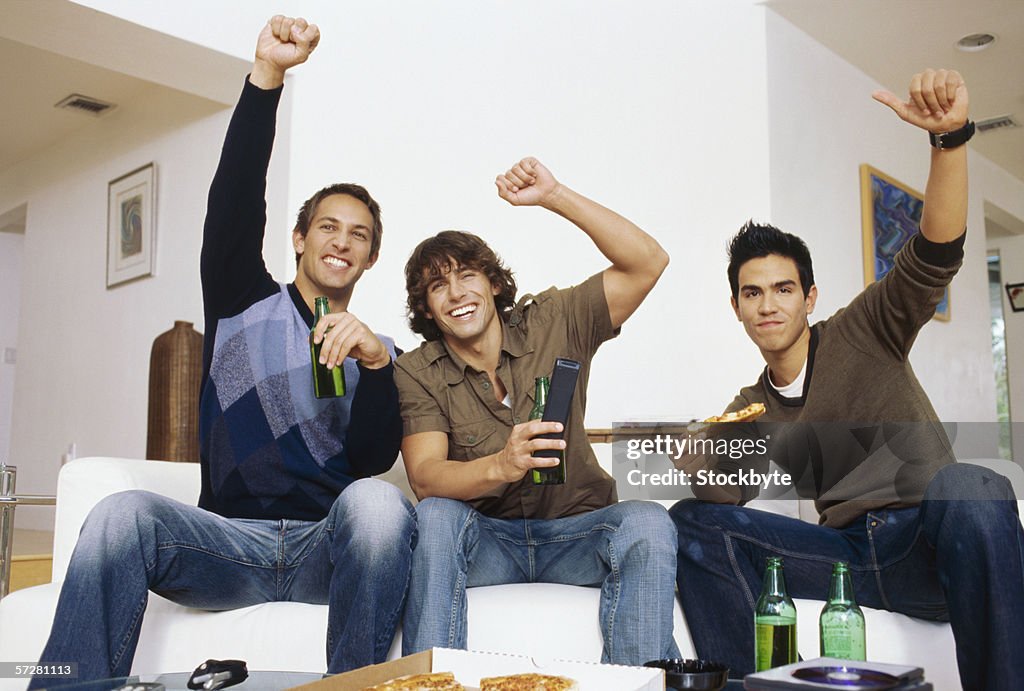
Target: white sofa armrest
[{"x": 84, "y": 482}]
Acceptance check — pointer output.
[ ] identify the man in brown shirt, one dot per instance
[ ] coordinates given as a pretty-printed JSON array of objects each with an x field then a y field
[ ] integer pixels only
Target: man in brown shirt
[
  {"x": 466, "y": 396},
  {"x": 923, "y": 535}
]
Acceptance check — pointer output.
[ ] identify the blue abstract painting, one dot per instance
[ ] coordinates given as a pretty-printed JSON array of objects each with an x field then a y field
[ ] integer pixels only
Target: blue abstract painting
[{"x": 895, "y": 218}]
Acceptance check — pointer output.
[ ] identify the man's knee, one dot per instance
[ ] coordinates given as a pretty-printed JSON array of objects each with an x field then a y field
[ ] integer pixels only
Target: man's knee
[
  {"x": 443, "y": 525},
  {"x": 119, "y": 524},
  {"x": 442, "y": 514},
  {"x": 695, "y": 516},
  {"x": 968, "y": 481},
  {"x": 373, "y": 513},
  {"x": 647, "y": 521},
  {"x": 644, "y": 535}
]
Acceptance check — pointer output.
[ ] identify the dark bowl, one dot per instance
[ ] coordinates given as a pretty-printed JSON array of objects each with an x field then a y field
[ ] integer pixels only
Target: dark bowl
[{"x": 692, "y": 674}]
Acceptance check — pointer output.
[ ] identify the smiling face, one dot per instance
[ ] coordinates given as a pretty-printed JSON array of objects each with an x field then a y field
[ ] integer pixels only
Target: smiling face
[
  {"x": 335, "y": 250},
  {"x": 461, "y": 303},
  {"x": 772, "y": 306}
]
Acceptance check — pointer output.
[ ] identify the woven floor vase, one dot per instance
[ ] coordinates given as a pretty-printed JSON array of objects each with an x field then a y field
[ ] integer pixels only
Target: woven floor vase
[{"x": 175, "y": 368}]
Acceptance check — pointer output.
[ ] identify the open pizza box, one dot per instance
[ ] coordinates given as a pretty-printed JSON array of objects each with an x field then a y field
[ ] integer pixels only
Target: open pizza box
[{"x": 470, "y": 666}]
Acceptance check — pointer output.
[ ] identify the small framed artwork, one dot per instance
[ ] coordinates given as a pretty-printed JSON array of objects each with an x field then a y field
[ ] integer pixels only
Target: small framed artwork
[
  {"x": 1015, "y": 291},
  {"x": 890, "y": 216},
  {"x": 131, "y": 226}
]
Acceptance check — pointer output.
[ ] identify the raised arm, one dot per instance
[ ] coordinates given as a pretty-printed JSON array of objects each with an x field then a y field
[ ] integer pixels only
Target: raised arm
[
  {"x": 938, "y": 103},
  {"x": 284, "y": 43},
  {"x": 637, "y": 258},
  {"x": 232, "y": 268}
]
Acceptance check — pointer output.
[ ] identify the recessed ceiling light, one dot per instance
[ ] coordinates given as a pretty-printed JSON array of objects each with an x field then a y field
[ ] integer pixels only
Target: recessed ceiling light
[{"x": 971, "y": 43}]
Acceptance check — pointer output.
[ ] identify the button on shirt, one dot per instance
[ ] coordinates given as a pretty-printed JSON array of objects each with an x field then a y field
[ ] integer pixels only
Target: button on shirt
[{"x": 440, "y": 393}]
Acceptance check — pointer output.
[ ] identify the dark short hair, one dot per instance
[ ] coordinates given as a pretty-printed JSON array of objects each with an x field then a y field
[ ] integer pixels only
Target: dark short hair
[
  {"x": 308, "y": 209},
  {"x": 447, "y": 251},
  {"x": 755, "y": 240}
]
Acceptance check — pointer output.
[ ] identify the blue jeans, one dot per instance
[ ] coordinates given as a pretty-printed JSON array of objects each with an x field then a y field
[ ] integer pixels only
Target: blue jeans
[
  {"x": 356, "y": 560},
  {"x": 950, "y": 559},
  {"x": 627, "y": 549}
]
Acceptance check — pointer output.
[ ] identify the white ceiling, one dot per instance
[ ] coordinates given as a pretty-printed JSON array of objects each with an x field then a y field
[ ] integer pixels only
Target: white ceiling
[
  {"x": 887, "y": 39},
  {"x": 33, "y": 80},
  {"x": 79, "y": 50}
]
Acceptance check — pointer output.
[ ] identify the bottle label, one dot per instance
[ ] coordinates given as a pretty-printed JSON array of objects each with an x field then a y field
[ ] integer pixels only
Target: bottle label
[{"x": 843, "y": 640}]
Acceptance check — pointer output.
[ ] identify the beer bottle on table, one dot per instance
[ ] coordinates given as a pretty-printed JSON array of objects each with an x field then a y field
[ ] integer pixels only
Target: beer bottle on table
[
  {"x": 841, "y": 625},
  {"x": 545, "y": 476},
  {"x": 774, "y": 621},
  {"x": 327, "y": 382}
]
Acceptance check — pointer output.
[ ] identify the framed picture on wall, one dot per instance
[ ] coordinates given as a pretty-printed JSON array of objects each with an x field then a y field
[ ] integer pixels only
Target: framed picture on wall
[
  {"x": 1015, "y": 292},
  {"x": 131, "y": 225},
  {"x": 890, "y": 216}
]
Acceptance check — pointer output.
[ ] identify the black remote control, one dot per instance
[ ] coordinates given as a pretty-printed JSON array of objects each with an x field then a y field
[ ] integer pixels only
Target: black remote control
[{"x": 563, "y": 386}]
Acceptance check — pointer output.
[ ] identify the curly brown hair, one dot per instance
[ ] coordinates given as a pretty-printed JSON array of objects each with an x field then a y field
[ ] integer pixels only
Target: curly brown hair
[{"x": 437, "y": 256}]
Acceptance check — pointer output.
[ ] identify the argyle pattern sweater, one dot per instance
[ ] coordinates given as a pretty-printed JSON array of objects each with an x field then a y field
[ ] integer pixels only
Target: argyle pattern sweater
[{"x": 268, "y": 448}]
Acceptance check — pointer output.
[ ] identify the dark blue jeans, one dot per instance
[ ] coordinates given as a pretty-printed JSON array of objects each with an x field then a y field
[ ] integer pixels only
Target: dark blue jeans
[
  {"x": 356, "y": 560},
  {"x": 952, "y": 559}
]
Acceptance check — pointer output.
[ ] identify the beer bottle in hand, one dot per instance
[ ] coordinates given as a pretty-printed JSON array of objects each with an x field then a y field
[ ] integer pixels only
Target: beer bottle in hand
[
  {"x": 774, "y": 621},
  {"x": 545, "y": 476},
  {"x": 327, "y": 383},
  {"x": 841, "y": 625}
]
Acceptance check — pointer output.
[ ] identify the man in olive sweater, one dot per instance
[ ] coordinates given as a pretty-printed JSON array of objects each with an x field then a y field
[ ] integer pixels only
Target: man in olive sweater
[{"x": 923, "y": 535}]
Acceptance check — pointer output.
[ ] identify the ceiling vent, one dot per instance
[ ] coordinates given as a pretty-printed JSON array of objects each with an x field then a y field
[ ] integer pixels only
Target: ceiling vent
[
  {"x": 85, "y": 104},
  {"x": 997, "y": 123}
]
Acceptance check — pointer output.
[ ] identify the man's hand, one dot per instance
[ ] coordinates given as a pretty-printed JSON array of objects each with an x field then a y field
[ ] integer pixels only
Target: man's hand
[
  {"x": 937, "y": 101},
  {"x": 283, "y": 43},
  {"x": 528, "y": 183},
  {"x": 345, "y": 336},
  {"x": 516, "y": 459}
]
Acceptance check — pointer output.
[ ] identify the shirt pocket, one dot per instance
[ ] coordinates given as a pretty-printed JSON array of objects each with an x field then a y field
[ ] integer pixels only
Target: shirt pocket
[{"x": 471, "y": 440}]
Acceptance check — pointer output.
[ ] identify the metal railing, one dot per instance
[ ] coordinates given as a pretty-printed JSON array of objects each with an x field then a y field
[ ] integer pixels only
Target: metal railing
[{"x": 8, "y": 502}]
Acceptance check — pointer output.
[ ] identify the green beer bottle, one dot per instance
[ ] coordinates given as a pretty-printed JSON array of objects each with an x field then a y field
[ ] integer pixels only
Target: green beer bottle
[
  {"x": 327, "y": 383},
  {"x": 774, "y": 621},
  {"x": 545, "y": 476},
  {"x": 841, "y": 624}
]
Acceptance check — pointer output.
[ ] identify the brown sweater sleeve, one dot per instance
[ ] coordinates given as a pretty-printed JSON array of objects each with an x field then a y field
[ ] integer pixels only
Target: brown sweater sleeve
[{"x": 885, "y": 318}]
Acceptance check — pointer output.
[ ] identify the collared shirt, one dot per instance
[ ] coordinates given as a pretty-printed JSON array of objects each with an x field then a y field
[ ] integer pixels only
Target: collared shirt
[{"x": 440, "y": 393}]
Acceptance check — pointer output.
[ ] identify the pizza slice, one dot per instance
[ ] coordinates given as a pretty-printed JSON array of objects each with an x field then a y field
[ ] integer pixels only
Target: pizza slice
[
  {"x": 748, "y": 414},
  {"x": 528, "y": 682},
  {"x": 434, "y": 681}
]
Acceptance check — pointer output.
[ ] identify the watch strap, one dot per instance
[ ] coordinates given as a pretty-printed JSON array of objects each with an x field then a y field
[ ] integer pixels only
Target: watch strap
[{"x": 951, "y": 140}]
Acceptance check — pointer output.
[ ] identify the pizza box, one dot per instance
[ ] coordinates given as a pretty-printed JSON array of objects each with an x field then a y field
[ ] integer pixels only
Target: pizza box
[{"x": 469, "y": 666}]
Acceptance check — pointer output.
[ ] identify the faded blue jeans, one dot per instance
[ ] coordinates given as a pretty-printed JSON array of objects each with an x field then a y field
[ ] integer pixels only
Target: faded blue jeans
[
  {"x": 951, "y": 559},
  {"x": 627, "y": 549},
  {"x": 356, "y": 560}
]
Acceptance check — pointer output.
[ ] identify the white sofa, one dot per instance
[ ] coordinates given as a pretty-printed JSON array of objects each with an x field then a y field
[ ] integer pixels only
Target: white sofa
[{"x": 541, "y": 620}]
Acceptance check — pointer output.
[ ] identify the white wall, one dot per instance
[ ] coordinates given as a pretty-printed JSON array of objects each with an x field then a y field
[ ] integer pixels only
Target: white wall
[
  {"x": 824, "y": 124},
  {"x": 432, "y": 102},
  {"x": 10, "y": 290},
  {"x": 425, "y": 103},
  {"x": 424, "y": 106},
  {"x": 83, "y": 349}
]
